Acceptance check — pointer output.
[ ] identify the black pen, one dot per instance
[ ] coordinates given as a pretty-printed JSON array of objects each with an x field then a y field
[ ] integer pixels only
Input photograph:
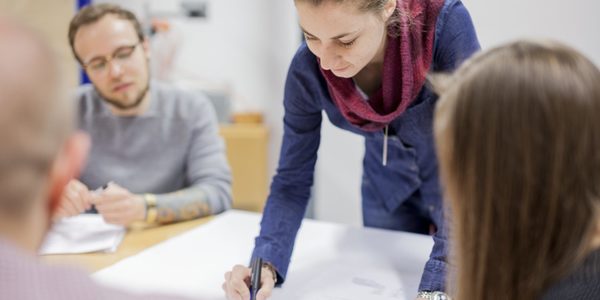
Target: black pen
[
  {"x": 97, "y": 191},
  {"x": 255, "y": 277}
]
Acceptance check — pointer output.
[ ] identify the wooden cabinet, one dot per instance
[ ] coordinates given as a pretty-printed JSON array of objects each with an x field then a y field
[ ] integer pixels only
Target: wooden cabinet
[
  {"x": 51, "y": 19},
  {"x": 247, "y": 146}
]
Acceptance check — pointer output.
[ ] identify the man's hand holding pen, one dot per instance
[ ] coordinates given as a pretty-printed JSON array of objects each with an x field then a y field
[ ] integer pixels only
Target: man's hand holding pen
[{"x": 116, "y": 204}]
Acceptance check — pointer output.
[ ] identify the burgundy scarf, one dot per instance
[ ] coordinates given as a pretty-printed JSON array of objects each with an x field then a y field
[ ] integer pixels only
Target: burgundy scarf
[{"x": 409, "y": 54}]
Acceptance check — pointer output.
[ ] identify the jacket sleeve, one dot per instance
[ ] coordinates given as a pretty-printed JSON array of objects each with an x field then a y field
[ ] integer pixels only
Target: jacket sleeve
[
  {"x": 456, "y": 41},
  {"x": 291, "y": 186}
]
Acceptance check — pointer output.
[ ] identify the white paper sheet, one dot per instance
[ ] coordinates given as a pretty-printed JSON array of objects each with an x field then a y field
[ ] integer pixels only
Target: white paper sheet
[
  {"x": 82, "y": 234},
  {"x": 330, "y": 262}
]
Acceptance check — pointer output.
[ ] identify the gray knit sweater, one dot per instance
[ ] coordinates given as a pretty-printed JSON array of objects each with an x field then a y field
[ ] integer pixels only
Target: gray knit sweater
[{"x": 173, "y": 147}]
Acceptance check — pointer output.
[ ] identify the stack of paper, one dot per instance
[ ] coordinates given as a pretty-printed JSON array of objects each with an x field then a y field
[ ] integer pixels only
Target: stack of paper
[{"x": 82, "y": 234}]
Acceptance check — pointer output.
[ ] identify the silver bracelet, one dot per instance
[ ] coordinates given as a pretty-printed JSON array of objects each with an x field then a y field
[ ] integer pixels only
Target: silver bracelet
[{"x": 433, "y": 295}]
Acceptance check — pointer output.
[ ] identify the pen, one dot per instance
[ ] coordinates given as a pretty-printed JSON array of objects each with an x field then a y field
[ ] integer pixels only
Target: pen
[
  {"x": 97, "y": 191},
  {"x": 255, "y": 277}
]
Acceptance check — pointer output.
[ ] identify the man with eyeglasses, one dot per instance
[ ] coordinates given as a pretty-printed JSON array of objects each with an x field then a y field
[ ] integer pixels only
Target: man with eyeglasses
[{"x": 156, "y": 154}]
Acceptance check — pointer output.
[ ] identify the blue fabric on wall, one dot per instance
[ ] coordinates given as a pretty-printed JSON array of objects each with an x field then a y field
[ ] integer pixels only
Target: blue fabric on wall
[{"x": 83, "y": 77}]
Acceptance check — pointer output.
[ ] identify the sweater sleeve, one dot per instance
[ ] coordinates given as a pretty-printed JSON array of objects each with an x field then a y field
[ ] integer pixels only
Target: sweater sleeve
[{"x": 207, "y": 171}]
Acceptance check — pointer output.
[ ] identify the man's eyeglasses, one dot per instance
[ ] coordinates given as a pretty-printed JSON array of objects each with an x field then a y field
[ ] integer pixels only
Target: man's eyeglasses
[{"x": 121, "y": 55}]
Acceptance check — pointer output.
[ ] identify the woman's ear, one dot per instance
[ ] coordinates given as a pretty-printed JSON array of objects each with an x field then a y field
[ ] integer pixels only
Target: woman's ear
[
  {"x": 388, "y": 9},
  {"x": 67, "y": 166}
]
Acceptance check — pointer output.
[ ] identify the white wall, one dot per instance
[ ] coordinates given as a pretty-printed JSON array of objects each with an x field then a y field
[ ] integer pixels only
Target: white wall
[
  {"x": 247, "y": 46},
  {"x": 338, "y": 176},
  {"x": 575, "y": 22},
  {"x": 280, "y": 48}
]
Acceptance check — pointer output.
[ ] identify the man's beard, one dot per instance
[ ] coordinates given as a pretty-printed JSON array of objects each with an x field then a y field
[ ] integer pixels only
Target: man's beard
[{"x": 122, "y": 106}]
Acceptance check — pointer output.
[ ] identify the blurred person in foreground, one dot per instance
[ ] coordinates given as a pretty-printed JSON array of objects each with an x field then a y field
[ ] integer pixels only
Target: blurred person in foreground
[{"x": 40, "y": 152}]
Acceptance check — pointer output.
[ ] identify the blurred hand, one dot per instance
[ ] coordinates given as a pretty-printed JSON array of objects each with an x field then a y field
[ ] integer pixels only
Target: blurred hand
[
  {"x": 237, "y": 282},
  {"x": 119, "y": 206},
  {"x": 76, "y": 198}
]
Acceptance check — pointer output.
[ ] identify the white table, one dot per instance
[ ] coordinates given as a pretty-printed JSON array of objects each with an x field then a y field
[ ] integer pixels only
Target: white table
[{"x": 330, "y": 261}]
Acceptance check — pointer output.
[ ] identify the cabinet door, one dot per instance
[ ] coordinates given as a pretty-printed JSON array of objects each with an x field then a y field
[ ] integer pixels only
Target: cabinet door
[
  {"x": 51, "y": 18},
  {"x": 247, "y": 155}
]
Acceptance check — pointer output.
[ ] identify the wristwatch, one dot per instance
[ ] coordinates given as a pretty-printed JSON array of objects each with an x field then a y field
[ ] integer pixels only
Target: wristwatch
[
  {"x": 151, "y": 210},
  {"x": 270, "y": 267},
  {"x": 433, "y": 295}
]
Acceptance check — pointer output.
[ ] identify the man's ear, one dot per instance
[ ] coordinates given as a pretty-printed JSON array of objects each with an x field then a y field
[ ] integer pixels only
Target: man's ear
[{"x": 67, "y": 165}]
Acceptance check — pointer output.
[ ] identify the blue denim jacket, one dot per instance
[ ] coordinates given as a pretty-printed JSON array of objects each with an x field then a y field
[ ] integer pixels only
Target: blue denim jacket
[{"x": 410, "y": 178}]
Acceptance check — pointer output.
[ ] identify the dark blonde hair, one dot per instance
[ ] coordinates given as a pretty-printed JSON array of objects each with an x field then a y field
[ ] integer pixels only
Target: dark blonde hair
[
  {"x": 363, "y": 5},
  {"x": 518, "y": 137},
  {"x": 93, "y": 13}
]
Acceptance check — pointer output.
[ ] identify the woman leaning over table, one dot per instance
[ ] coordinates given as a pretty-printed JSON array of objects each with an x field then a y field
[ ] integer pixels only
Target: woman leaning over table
[{"x": 364, "y": 63}]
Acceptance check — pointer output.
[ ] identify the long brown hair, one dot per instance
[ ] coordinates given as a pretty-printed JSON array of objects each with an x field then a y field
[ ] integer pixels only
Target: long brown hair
[{"x": 518, "y": 137}]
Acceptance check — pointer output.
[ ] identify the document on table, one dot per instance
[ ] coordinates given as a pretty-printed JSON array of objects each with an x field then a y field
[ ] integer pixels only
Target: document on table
[
  {"x": 330, "y": 262},
  {"x": 84, "y": 233}
]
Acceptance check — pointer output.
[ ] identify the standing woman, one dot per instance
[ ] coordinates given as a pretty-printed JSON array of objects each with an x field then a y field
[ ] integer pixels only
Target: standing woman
[
  {"x": 518, "y": 135},
  {"x": 364, "y": 63}
]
